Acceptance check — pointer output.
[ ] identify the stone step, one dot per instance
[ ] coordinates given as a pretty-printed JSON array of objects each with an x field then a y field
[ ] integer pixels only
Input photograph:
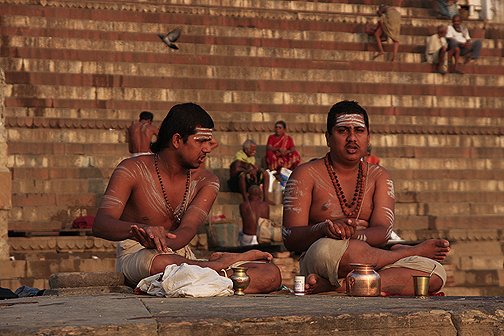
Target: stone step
[
  {"x": 52, "y": 151},
  {"x": 149, "y": 52},
  {"x": 304, "y": 133},
  {"x": 102, "y": 164},
  {"x": 228, "y": 120},
  {"x": 54, "y": 173},
  {"x": 63, "y": 185},
  {"x": 79, "y": 200},
  {"x": 482, "y": 222},
  {"x": 450, "y": 196},
  {"x": 403, "y": 209},
  {"x": 250, "y": 112},
  {"x": 23, "y": 94},
  {"x": 407, "y": 174},
  {"x": 40, "y": 71},
  {"x": 253, "y": 17},
  {"x": 20, "y": 81},
  {"x": 130, "y": 31},
  {"x": 485, "y": 197}
]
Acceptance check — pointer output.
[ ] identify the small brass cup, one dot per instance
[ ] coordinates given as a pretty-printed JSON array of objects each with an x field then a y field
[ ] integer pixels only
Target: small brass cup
[
  {"x": 421, "y": 285},
  {"x": 240, "y": 280}
]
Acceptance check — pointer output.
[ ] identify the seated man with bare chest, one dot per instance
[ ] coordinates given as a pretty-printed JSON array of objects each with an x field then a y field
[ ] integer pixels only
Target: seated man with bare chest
[
  {"x": 154, "y": 205},
  {"x": 339, "y": 210}
]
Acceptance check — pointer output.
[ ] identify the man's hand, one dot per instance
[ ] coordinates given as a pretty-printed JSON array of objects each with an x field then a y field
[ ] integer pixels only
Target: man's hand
[
  {"x": 152, "y": 237},
  {"x": 468, "y": 44},
  {"x": 338, "y": 229}
]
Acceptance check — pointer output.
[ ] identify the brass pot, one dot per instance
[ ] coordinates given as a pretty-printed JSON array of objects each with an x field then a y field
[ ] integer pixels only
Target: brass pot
[
  {"x": 240, "y": 280},
  {"x": 363, "y": 281}
]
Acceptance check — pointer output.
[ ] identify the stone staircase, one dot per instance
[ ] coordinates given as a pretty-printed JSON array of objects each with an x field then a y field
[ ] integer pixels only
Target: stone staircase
[{"x": 78, "y": 73}]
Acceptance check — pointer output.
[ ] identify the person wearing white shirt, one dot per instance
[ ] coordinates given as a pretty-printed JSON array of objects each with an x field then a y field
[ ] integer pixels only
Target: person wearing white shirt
[
  {"x": 435, "y": 49},
  {"x": 461, "y": 44}
]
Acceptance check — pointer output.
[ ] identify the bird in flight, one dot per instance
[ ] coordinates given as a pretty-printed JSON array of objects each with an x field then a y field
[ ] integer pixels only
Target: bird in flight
[{"x": 171, "y": 37}]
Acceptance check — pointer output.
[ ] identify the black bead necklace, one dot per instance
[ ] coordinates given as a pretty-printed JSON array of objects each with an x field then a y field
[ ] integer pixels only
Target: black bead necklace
[{"x": 177, "y": 215}]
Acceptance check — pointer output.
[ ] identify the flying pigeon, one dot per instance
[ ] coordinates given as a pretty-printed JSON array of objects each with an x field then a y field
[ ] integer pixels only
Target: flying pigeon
[{"x": 171, "y": 37}]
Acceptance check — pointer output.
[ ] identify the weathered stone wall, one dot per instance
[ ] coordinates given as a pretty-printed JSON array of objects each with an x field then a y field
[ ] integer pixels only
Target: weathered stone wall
[{"x": 5, "y": 177}]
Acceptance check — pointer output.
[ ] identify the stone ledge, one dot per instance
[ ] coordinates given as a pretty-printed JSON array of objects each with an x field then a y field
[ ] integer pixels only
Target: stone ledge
[
  {"x": 85, "y": 279},
  {"x": 95, "y": 290},
  {"x": 122, "y": 314}
]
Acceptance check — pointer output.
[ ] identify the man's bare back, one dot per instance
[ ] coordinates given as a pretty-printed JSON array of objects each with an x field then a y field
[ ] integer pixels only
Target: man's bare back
[{"x": 140, "y": 136}]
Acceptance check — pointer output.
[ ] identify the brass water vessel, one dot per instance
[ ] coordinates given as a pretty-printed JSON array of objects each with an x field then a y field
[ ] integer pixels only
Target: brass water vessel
[{"x": 363, "y": 281}]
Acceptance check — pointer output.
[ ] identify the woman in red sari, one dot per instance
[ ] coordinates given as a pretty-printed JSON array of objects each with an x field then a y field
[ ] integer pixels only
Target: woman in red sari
[{"x": 280, "y": 150}]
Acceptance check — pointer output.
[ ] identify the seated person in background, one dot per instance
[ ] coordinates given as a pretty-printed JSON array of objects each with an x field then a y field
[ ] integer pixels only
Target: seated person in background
[
  {"x": 154, "y": 205},
  {"x": 389, "y": 26},
  {"x": 446, "y": 9},
  {"x": 250, "y": 211},
  {"x": 461, "y": 44},
  {"x": 243, "y": 171},
  {"x": 339, "y": 210},
  {"x": 280, "y": 150},
  {"x": 435, "y": 49},
  {"x": 141, "y": 133}
]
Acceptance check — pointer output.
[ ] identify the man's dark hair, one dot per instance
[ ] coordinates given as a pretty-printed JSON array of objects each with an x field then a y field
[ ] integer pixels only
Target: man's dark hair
[
  {"x": 345, "y": 107},
  {"x": 182, "y": 119},
  {"x": 146, "y": 115},
  {"x": 281, "y": 122}
]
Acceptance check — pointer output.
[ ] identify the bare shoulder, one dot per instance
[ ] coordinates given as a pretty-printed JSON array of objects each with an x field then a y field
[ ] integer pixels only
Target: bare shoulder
[
  {"x": 378, "y": 172},
  {"x": 305, "y": 170},
  {"x": 205, "y": 177}
]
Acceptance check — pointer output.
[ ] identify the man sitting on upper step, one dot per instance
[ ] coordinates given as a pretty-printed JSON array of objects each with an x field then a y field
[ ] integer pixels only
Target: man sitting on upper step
[{"x": 339, "y": 210}]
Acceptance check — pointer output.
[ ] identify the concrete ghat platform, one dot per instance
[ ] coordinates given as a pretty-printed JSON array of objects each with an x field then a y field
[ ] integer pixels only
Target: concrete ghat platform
[{"x": 127, "y": 314}]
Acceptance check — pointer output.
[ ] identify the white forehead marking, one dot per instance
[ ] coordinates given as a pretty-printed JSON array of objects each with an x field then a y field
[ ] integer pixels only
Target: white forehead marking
[
  {"x": 355, "y": 120},
  {"x": 202, "y": 132}
]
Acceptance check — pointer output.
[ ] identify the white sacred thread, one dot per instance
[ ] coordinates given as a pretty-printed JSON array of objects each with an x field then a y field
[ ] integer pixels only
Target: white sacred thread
[
  {"x": 347, "y": 120},
  {"x": 390, "y": 190}
]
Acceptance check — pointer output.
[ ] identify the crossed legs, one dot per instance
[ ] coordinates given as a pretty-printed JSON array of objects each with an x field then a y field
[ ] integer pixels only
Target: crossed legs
[
  {"x": 395, "y": 280},
  {"x": 264, "y": 277}
]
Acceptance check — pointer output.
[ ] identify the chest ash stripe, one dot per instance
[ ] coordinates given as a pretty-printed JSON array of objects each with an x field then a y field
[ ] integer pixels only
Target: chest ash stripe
[{"x": 153, "y": 197}]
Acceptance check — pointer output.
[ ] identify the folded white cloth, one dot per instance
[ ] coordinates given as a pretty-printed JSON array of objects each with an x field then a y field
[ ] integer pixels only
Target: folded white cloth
[{"x": 187, "y": 280}]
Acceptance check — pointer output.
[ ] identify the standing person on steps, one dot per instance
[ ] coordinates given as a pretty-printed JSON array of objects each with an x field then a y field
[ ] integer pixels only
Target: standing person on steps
[{"x": 389, "y": 26}]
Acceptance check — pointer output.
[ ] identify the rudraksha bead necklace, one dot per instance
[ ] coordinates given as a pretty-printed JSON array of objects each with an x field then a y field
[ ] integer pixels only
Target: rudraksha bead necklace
[
  {"x": 346, "y": 207},
  {"x": 177, "y": 215}
]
